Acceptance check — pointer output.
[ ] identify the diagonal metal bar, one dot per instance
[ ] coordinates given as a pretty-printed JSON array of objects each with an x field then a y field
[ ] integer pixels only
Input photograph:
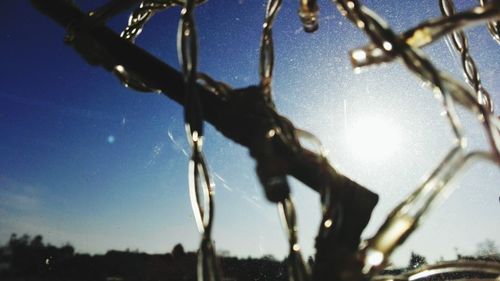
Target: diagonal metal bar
[{"x": 245, "y": 108}]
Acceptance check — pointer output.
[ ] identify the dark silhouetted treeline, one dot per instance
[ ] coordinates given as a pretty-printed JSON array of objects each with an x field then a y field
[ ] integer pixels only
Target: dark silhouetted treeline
[{"x": 28, "y": 258}]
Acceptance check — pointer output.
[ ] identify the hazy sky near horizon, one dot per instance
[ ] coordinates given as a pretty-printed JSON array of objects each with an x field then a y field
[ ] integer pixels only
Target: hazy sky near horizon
[{"x": 86, "y": 161}]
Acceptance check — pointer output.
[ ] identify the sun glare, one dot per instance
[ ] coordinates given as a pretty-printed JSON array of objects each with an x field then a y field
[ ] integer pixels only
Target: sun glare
[{"x": 373, "y": 138}]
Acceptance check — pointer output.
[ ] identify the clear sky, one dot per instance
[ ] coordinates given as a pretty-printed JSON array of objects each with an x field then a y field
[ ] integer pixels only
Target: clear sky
[{"x": 87, "y": 161}]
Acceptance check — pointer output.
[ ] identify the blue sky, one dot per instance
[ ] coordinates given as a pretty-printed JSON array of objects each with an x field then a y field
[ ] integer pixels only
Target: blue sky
[{"x": 87, "y": 161}]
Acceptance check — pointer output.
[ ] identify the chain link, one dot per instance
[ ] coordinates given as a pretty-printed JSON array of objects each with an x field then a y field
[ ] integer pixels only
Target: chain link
[
  {"x": 433, "y": 272},
  {"x": 187, "y": 52},
  {"x": 297, "y": 269},
  {"x": 106, "y": 11},
  {"x": 330, "y": 212},
  {"x": 461, "y": 45},
  {"x": 267, "y": 47},
  {"x": 308, "y": 13},
  {"x": 141, "y": 15},
  {"x": 404, "y": 219},
  {"x": 423, "y": 34},
  {"x": 201, "y": 187},
  {"x": 493, "y": 26}
]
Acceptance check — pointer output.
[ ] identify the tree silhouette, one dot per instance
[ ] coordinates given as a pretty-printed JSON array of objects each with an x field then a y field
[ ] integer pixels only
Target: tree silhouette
[
  {"x": 29, "y": 258},
  {"x": 178, "y": 251},
  {"x": 416, "y": 261},
  {"x": 487, "y": 247}
]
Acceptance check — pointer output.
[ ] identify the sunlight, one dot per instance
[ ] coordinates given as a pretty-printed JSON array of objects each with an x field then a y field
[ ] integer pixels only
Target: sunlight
[{"x": 373, "y": 138}]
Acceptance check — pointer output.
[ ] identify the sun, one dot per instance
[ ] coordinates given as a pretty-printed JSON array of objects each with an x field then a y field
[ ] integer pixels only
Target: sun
[{"x": 373, "y": 138}]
